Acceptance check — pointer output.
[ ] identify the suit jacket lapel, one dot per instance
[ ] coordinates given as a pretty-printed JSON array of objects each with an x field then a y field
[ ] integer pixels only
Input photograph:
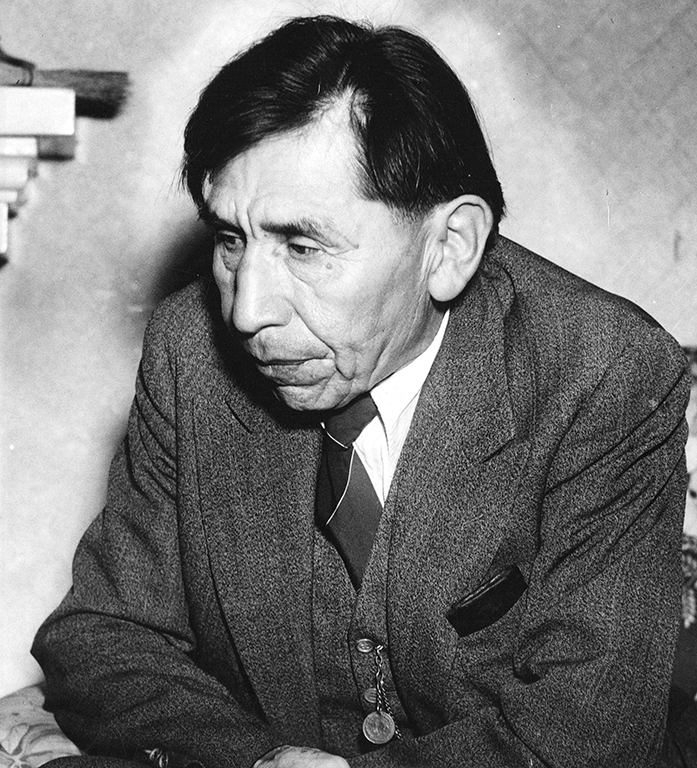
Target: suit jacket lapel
[
  {"x": 452, "y": 493},
  {"x": 257, "y": 484}
]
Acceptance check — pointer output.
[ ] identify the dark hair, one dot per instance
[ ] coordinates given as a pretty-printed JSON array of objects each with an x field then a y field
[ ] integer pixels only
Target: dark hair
[{"x": 419, "y": 140}]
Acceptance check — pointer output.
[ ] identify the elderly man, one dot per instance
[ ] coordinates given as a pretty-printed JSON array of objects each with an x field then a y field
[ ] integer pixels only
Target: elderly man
[{"x": 397, "y": 492}]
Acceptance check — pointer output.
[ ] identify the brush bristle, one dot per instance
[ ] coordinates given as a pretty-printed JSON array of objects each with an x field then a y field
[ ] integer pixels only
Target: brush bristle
[{"x": 97, "y": 94}]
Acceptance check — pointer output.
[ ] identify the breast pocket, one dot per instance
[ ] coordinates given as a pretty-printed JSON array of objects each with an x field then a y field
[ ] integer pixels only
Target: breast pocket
[
  {"x": 486, "y": 621},
  {"x": 488, "y": 603}
]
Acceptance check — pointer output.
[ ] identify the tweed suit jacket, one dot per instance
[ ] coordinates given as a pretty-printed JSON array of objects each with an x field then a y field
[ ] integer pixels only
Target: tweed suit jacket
[{"x": 548, "y": 436}]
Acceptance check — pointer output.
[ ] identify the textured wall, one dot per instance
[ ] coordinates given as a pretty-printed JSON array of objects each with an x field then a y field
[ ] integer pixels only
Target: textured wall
[{"x": 591, "y": 111}]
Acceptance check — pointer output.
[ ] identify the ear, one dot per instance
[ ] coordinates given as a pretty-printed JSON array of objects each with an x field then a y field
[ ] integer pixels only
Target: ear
[{"x": 457, "y": 236}]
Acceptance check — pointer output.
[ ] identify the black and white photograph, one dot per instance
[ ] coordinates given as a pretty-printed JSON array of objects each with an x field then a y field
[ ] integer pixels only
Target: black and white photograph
[{"x": 348, "y": 384}]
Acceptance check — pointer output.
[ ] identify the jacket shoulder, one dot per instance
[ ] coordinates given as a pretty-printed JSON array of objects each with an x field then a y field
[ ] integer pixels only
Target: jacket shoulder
[
  {"x": 563, "y": 310},
  {"x": 187, "y": 336},
  {"x": 185, "y": 316},
  {"x": 574, "y": 331}
]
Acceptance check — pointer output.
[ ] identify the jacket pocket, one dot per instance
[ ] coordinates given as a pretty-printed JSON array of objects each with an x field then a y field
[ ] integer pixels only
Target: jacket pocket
[{"x": 488, "y": 603}]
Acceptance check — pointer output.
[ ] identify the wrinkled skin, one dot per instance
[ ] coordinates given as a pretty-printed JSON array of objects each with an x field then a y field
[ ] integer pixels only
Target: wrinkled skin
[{"x": 327, "y": 291}]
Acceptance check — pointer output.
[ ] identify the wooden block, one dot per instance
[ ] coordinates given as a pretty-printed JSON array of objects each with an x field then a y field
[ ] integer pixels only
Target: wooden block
[
  {"x": 15, "y": 172},
  {"x": 4, "y": 227},
  {"x": 18, "y": 146},
  {"x": 36, "y": 111},
  {"x": 46, "y": 147},
  {"x": 57, "y": 147},
  {"x": 9, "y": 196},
  {"x": 15, "y": 199}
]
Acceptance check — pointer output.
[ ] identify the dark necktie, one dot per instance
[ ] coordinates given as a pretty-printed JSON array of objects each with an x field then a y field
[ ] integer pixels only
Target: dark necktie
[{"x": 347, "y": 505}]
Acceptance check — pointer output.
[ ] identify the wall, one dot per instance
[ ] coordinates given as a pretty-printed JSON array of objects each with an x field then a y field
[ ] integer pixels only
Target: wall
[{"x": 591, "y": 111}]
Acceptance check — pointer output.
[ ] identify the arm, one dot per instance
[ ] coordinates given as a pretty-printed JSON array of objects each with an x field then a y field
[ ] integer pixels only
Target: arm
[
  {"x": 119, "y": 653},
  {"x": 589, "y": 680}
]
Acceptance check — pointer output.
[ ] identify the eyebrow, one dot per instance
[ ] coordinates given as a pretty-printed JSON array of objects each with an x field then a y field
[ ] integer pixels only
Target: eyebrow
[
  {"x": 213, "y": 220},
  {"x": 301, "y": 227}
]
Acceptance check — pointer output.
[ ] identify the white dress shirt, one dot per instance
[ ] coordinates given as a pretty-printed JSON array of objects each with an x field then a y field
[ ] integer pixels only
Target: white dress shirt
[{"x": 380, "y": 443}]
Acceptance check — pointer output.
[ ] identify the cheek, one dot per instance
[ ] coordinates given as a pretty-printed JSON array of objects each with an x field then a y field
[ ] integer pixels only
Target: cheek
[
  {"x": 355, "y": 338},
  {"x": 224, "y": 279},
  {"x": 356, "y": 319}
]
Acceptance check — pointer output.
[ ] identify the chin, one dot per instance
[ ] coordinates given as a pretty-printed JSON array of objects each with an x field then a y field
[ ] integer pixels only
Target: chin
[{"x": 311, "y": 398}]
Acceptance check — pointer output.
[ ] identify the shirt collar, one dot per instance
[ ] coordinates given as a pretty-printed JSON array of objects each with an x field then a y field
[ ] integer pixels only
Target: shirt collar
[{"x": 394, "y": 394}]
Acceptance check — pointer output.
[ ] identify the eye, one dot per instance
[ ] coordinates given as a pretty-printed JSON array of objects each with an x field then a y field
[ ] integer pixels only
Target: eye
[
  {"x": 303, "y": 249},
  {"x": 230, "y": 241}
]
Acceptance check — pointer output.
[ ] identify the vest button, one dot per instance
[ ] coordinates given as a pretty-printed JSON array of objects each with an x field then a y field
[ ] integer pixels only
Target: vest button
[
  {"x": 364, "y": 645},
  {"x": 370, "y": 695}
]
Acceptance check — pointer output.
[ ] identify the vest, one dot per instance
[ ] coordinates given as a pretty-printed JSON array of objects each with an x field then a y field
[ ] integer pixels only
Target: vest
[{"x": 346, "y": 627}]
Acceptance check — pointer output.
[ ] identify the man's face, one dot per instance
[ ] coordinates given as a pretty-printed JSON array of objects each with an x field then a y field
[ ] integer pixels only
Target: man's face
[{"x": 326, "y": 290}]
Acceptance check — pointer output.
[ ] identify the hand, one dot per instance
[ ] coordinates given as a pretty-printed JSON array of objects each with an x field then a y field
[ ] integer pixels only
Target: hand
[{"x": 299, "y": 757}]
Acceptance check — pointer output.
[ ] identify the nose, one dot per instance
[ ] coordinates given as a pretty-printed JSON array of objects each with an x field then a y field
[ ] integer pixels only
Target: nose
[{"x": 259, "y": 300}]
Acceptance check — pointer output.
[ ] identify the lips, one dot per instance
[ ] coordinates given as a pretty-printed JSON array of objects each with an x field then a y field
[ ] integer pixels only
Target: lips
[
  {"x": 281, "y": 361},
  {"x": 293, "y": 372},
  {"x": 282, "y": 370}
]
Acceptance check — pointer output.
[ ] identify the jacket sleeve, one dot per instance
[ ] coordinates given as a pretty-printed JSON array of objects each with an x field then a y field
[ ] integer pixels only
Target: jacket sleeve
[
  {"x": 118, "y": 653},
  {"x": 590, "y": 671}
]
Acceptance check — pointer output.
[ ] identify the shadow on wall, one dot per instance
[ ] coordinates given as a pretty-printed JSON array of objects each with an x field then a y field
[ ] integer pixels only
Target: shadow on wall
[{"x": 189, "y": 259}]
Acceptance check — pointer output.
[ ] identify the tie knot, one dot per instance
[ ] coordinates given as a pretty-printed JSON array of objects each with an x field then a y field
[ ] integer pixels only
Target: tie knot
[{"x": 345, "y": 424}]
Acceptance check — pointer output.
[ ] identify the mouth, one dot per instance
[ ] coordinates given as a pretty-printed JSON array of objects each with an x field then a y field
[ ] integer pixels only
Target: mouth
[
  {"x": 274, "y": 362},
  {"x": 292, "y": 371}
]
